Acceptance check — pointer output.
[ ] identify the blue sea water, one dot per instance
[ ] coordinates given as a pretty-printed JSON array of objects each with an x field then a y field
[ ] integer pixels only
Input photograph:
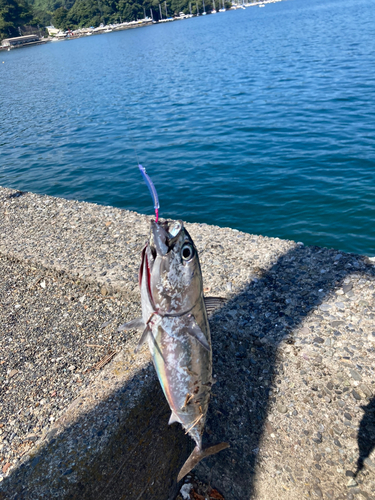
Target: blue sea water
[{"x": 258, "y": 119}]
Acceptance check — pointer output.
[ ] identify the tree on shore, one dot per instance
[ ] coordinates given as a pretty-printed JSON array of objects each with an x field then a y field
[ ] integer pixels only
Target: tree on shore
[
  {"x": 64, "y": 14},
  {"x": 59, "y": 18},
  {"x": 14, "y": 14}
]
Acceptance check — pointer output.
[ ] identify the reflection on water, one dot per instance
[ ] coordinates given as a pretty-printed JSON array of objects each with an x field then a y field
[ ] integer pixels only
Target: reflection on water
[{"x": 259, "y": 119}]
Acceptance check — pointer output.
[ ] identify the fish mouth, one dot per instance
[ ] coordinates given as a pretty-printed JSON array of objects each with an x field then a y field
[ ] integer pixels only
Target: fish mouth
[
  {"x": 145, "y": 270},
  {"x": 163, "y": 236}
]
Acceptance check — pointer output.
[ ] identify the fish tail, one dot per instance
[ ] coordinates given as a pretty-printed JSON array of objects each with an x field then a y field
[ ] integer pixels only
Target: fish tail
[{"x": 197, "y": 455}]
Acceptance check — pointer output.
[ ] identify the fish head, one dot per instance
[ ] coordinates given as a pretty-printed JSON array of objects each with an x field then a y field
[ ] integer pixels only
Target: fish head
[{"x": 170, "y": 270}]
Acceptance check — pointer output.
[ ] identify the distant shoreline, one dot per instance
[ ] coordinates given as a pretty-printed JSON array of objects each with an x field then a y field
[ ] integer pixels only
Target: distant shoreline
[{"x": 84, "y": 32}]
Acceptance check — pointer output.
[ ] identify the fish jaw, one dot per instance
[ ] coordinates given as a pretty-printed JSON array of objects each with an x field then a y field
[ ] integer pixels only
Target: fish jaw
[
  {"x": 163, "y": 235},
  {"x": 160, "y": 238}
]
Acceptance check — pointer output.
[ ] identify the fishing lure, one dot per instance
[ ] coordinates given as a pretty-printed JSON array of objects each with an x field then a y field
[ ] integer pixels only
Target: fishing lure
[{"x": 151, "y": 188}]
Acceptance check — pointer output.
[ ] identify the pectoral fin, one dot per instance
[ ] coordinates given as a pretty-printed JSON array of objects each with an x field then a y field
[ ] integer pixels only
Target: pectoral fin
[
  {"x": 194, "y": 330},
  {"x": 142, "y": 340},
  {"x": 181, "y": 326},
  {"x": 134, "y": 324}
]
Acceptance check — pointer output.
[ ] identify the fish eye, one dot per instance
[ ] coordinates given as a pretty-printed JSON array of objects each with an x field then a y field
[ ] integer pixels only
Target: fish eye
[{"x": 187, "y": 251}]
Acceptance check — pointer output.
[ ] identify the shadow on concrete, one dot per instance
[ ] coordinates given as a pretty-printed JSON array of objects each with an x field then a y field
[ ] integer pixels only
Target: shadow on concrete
[
  {"x": 135, "y": 455},
  {"x": 271, "y": 309},
  {"x": 17, "y": 194},
  {"x": 122, "y": 449},
  {"x": 366, "y": 434}
]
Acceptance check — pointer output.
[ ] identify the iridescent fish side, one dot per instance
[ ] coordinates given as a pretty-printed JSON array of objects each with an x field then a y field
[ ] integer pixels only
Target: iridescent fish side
[{"x": 174, "y": 318}]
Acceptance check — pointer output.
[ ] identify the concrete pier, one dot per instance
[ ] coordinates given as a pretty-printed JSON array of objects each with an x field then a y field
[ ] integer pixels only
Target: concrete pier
[{"x": 83, "y": 417}]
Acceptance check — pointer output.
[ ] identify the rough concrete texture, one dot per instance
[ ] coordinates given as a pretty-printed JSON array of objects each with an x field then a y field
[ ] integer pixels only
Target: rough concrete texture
[
  {"x": 68, "y": 429},
  {"x": 111, "y": 442},
  {"x": 293, "y": 353}
]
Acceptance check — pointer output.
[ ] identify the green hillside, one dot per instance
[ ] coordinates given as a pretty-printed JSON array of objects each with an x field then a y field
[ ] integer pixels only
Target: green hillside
[
  {"x": 64, "y": 14},
  {"x": 93, "y": 12},
  {"x": 45, "y": 9},
  {"x": 13, "y": 15}
]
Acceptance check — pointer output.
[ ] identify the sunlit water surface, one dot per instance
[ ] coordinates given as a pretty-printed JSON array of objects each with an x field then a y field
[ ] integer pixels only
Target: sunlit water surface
[{"x": 258, "y": 119}]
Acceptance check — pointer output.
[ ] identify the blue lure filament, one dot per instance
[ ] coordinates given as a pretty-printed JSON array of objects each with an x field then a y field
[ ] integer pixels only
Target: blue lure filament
[{"x": 151, "y": 188}]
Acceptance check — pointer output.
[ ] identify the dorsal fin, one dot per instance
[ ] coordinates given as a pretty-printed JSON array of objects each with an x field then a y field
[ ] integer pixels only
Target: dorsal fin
[{"x": 213, "y": 303}]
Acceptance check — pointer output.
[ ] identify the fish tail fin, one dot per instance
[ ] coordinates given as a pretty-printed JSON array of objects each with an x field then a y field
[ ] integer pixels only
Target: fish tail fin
[{"x": 197, "y": 455}]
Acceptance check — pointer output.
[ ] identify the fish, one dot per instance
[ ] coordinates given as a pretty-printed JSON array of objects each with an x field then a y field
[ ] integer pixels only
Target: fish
[{"x": 175, "y": 325}]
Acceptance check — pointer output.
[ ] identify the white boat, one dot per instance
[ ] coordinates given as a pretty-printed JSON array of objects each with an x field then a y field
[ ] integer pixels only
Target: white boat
[
  {"x": 204, "y": 9},
  {"x": 261, "y": 5},
  {"x": 223, "y": 8},
  {"x": 214, "y": 9}
]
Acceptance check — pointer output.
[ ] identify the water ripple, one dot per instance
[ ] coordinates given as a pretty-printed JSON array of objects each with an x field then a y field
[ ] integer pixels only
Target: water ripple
[{"x": 259, "y": 119}]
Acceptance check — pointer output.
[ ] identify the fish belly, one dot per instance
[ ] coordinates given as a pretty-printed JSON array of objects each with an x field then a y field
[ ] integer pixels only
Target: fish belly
[{"x": 184, "y": 367}]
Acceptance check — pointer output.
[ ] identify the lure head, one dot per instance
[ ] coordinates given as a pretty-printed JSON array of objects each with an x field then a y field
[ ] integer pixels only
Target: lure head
[{"x": 170, "y": 270}]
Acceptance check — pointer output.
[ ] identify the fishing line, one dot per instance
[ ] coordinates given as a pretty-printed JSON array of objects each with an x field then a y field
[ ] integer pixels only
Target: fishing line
[
  {"x": 131, "y": 136},
  {"x": 146, "y": 177}
]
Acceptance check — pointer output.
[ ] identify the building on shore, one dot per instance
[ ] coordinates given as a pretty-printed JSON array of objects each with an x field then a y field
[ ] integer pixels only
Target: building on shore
[
  {"x": 52, "y": 31},
  {"x": 20, "y": 40}
]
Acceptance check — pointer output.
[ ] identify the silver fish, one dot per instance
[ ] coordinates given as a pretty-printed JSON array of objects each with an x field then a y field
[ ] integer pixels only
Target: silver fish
[{"x": 175, "y": 324}]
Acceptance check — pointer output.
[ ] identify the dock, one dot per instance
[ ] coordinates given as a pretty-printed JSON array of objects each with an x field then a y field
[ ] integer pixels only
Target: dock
[{"x": 83, "y": 416}]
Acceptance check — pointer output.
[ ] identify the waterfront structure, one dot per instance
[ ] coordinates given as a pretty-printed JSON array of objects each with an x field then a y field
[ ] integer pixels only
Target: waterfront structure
[
  {"x": 52, "y": 30},
  {"x": 19, "y": 40},
  {"x": 39, "y": 223}
]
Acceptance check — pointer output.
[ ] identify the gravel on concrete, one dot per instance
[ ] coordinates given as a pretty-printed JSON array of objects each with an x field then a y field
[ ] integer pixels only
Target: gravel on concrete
[
  {"x": 54, "y": 333},
  {"x": 293, "y": 348},
  {"x": 294, "y": 356}
]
